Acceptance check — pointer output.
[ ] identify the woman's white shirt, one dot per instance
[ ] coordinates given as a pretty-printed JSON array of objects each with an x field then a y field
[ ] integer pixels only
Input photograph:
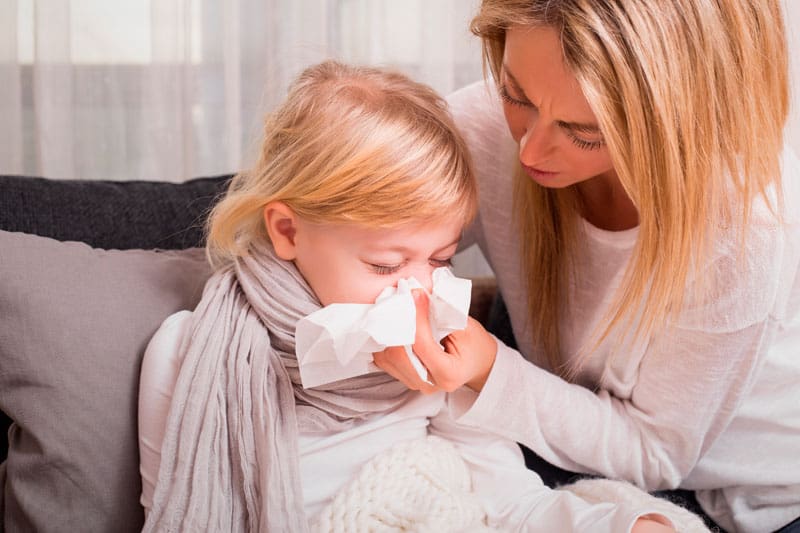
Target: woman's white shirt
[{"x": 714, "y": 405}]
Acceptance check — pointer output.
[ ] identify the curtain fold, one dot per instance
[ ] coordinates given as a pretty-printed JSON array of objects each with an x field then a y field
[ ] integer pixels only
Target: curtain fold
[
  {"x": 11, "y": 135},
  {"x": 174, "y": 89}
]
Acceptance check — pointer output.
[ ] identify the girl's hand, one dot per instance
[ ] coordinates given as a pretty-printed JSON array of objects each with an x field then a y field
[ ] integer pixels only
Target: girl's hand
[{"x": 467, "y": 358}]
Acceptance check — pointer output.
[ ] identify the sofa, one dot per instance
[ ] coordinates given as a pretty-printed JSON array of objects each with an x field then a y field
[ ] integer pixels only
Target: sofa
[{"x": 88, "y": 270}]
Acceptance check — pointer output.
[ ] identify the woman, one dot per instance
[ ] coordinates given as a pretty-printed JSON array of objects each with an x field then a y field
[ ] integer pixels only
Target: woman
[{"x": 639, "y": 212}]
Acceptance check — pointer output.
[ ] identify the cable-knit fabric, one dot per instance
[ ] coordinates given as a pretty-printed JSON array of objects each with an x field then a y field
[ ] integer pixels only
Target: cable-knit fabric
[
  {"x": 621, "y": 492},
  {"x": 422, "y": 485}
]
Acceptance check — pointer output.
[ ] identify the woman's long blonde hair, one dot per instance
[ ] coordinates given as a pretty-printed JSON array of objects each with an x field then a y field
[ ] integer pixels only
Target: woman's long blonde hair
[
  {"x": 691, "y": 97},
  {"x": 350, "y": 145}
]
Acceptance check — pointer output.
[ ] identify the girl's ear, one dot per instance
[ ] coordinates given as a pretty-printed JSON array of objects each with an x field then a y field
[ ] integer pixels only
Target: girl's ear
[{"x": 281, "y": 223}]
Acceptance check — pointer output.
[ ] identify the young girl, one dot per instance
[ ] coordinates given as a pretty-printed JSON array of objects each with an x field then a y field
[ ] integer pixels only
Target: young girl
[{"x": 362, "y": 182}]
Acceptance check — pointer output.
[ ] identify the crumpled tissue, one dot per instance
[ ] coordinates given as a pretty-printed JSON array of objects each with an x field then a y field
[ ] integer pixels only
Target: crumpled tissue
[{"x": 337, "y": 341}]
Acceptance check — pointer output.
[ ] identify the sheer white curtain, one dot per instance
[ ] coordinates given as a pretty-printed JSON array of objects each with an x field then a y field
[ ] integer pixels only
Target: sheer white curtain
[{"x": 172, "y": 89}]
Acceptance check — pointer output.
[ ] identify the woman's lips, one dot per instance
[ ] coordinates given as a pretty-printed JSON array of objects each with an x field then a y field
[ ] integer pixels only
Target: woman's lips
[{"x": 536, "y": 173}]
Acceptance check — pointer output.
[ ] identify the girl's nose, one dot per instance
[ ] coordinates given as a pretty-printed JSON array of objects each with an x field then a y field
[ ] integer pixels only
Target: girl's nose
[{"x": 423, "y": 274}]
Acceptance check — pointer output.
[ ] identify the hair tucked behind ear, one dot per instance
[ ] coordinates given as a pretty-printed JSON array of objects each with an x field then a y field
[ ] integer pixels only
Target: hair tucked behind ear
[
  {"x": 691, "y": 97},
  {"x": 350, "y": 145}
]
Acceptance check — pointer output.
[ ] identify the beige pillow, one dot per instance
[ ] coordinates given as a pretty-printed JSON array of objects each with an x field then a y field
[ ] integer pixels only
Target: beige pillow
[{"x": 75, "y": 323}]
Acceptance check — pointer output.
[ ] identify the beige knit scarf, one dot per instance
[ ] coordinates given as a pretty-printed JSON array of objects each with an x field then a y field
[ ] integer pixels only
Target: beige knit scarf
[{"x": 229, "y": 460}]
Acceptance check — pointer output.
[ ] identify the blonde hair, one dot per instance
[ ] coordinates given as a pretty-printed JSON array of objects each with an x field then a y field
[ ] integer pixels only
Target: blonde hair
[
  {"x": 350, "y": 145},
  {"x": 691, "y": 97}
]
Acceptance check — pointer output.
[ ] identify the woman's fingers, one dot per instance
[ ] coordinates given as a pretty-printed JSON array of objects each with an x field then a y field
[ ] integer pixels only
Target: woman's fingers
[
  {"x": 476, "y": 349},
  {"x": 467, "y": 357},
  {"x": 394, "y": 361},
  {"x": 424, "y": 340},
  {"x": 438, "y": 362}
]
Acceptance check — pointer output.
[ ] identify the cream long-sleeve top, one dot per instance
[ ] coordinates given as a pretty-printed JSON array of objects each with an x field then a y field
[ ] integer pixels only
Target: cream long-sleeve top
[
  {"x": 514, "y": 497},
  {"x": 713, "y": 406}
]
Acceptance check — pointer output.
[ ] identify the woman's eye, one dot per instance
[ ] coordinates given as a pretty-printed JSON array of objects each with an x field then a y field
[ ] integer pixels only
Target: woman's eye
[
  {"x": 584, "y": 144},
  {"x": 384, "y": 270},
  {"x": 510, "y": 99}
]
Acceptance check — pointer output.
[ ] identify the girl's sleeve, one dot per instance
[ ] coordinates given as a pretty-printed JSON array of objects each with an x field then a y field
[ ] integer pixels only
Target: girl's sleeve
[
  {"x": 160, "y": 368},
  {"x": 516, "y": 499},
  {"x": 687, "y": 389}
]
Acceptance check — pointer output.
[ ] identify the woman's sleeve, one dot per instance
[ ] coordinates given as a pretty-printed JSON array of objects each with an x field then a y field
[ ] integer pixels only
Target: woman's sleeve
[
  {"x": 478, "y": 115},
  {"x": 687, "y": 389},
  {"x": 516, "y": 499},
  {"x": 160, "y": 368}
]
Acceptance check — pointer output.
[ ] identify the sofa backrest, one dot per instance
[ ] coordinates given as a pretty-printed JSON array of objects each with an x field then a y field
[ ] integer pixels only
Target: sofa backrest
[{"x": 107, "y": 214}]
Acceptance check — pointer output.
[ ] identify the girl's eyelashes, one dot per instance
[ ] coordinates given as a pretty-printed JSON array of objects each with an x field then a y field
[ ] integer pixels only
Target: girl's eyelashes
[
  {"x": 583, "y": 144},
  {"x": 384, "y": 270},
  {"x": 442, "y": 262}
]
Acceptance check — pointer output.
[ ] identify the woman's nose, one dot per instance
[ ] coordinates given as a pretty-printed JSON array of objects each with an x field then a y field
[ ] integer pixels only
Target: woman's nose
[{"x": 535, "y": 145}]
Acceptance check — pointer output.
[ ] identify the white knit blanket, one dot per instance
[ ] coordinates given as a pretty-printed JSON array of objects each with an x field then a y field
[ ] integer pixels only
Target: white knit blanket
[
  {"x": 421, "y": 485},
  {"x": 424, "y": 485}
]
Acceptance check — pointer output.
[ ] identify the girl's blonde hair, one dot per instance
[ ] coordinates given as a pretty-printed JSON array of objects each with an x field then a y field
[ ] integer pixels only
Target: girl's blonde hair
[
  {"x": 691, "y": 97},
  {"x": 350, "y": 145}
]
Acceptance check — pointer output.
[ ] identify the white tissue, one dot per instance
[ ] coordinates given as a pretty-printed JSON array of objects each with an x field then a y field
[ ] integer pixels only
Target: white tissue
[{"x": 337, "y": 341}]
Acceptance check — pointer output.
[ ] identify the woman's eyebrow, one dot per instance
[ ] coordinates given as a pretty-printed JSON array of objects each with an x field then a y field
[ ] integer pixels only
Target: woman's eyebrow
[
  {"x": 583, "y": 127},
  {"x": 580, "y": 127}
]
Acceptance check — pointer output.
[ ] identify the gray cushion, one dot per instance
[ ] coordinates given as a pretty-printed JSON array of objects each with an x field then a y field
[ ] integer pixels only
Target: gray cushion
[{"x": 75, "y": 322}]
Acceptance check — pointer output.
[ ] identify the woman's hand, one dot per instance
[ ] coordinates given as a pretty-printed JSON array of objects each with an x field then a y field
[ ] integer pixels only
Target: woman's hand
[
  {"x": 652, "y": 524},
  {"x": 467, "y": 358}
]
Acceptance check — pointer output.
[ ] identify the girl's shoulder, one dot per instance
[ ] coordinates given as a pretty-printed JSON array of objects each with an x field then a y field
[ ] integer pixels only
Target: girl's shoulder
[{"x": 163, "y": 350}]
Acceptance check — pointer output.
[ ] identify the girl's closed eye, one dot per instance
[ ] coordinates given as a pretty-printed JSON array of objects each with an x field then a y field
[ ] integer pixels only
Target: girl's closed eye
[
  {"x": 384, "y": 270},
  {"x": 441, "y": 262}
]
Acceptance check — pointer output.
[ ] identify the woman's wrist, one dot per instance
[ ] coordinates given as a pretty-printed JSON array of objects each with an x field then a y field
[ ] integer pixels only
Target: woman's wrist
[{"x": 479, "y": 381}]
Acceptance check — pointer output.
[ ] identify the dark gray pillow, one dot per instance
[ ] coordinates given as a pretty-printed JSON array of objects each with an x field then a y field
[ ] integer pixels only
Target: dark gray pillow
[
  {"x": 110, "y": 214},
  {"x": 75, "y": 322}
]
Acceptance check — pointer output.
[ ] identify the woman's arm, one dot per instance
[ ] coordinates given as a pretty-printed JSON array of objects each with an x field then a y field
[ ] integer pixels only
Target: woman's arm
[
  {"x": 683, "y": 393},
  {"x": 516, "y": 499},
  {"x": 681, "y": 403}
]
